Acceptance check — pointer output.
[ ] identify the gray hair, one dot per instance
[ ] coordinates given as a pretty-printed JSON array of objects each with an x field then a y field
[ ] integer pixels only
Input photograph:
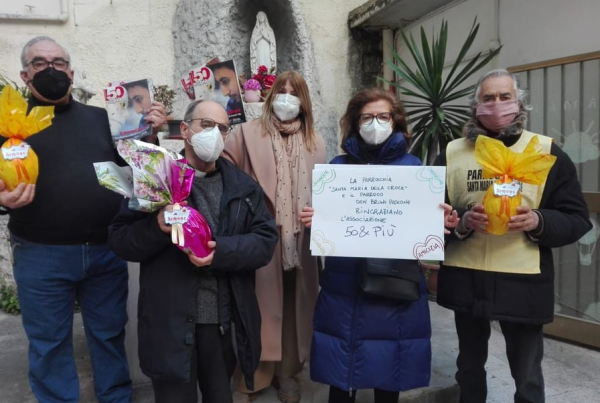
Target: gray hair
[
  {"x": 521, "y": 93},
  {"x": 189, "y": 111},
  {"x": 36, "y": 40}
]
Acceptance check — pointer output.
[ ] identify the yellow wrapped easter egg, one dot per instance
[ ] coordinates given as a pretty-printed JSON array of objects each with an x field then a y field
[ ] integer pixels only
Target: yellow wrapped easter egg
[
  {"x": 511, "y": 170},
  {"x": 18, "y": 163},
  {"x": 500, "y": 202}
]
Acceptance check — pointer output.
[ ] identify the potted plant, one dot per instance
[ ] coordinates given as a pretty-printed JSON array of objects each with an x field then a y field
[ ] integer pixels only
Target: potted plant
[
  {"x": 252, "y": 90},
  {"x": 434, "y": 118},
  {"x": 165, "y": 95}
]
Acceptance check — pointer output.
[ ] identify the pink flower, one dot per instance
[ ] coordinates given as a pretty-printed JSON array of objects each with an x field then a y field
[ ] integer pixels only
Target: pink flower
[{"x": 252, "y": 84}]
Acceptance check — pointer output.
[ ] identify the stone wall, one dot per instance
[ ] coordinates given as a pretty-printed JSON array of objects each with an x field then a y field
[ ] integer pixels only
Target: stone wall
[
  {"x": 5, "y": 253},
  {"x": 222, "y": 28}
]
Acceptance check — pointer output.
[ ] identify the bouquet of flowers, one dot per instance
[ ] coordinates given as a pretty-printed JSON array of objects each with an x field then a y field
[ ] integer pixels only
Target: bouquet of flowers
[
  {"x": 18, "y": 162},
  {"x": 266, "y": 77},
  {"x": 156, "y": 178},
  {"x": 511, "y": 170}
]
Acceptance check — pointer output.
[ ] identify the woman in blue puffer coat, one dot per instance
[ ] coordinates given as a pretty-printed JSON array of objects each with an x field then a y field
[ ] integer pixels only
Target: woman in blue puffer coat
[{"x": 362, "y": 341}]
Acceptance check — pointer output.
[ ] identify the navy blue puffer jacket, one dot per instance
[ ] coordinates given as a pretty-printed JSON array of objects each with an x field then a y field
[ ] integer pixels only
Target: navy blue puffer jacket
[{"x": 365, "y": 342}]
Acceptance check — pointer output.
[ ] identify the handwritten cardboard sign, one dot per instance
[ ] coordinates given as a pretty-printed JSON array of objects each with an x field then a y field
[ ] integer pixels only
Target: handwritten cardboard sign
[{"x": 378, "y": 211}]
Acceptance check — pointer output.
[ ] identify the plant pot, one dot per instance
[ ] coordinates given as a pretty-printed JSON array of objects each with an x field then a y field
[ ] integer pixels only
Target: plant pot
[
  {"x": 252, "y": 96},
  {"x": 174, "y": 129},
  {"x": 431, "y": 270}
]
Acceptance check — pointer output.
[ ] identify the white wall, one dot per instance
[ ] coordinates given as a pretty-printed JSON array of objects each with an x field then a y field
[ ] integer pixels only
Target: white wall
[
  {"x": 538, "y": 30},
  {"x": 125, "y": 39},
  {"x": 460, "y": 19},
  {"x": 529, "y": 30},
  {"x": 327, "y": 22}
]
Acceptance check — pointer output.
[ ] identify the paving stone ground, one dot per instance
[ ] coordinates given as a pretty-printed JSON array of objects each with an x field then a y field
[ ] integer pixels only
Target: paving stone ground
[{"x": 571, "y": 372}]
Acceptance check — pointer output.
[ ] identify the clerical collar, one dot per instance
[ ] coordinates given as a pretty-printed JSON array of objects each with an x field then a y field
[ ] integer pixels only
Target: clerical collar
[{"x": 202, "y": 174}]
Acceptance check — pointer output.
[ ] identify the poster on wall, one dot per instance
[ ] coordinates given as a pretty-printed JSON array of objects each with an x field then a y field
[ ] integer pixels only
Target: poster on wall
[{"x": 217, "y": 81}]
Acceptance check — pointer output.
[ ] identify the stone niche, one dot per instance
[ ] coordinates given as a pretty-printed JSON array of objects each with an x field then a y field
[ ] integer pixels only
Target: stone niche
[{"x": 222, "y": 28}]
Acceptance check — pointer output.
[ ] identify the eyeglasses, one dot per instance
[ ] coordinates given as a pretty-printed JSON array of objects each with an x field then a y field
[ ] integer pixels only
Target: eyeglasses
[
  {"x": 41, "y": 64},
  {"x": 382, "y": 118},
  {"x": 208, "y": 123}
]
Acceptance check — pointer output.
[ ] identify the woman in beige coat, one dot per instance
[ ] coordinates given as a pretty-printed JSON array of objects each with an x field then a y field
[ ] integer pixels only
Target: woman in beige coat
[{"x": 279, "y": 150}]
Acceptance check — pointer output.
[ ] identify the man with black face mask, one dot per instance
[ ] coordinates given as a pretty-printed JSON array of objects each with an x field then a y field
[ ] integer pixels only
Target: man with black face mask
[
  {"x": 58, "y": 232},
  {"x": 509, "y": 277}
]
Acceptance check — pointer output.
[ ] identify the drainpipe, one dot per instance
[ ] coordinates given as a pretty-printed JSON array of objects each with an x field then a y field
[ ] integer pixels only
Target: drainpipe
[
  {"x": 495, "y": 43},
  {"x": 388, "y": 43}
]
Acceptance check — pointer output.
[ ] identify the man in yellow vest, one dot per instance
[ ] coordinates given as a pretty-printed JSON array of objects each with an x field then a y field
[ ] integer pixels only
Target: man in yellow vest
[{"x": 510, "y": 277}]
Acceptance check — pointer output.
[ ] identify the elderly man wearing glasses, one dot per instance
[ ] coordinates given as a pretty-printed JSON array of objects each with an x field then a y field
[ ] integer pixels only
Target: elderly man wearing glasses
[
  {"x": 58, "y": 232},
  {"x": 187, "y": 303}
]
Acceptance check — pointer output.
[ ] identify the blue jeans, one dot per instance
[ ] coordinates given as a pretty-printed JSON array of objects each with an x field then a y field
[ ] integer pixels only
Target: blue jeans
[{"x": 49, "y": 279}]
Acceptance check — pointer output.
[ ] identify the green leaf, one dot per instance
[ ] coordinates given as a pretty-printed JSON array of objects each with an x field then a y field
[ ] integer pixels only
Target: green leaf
[
  {"x": 407, "y": 75},
  {"x": 421, "y": 78},
  {"x": 441, "y": 114},
  {"x": 459, "y": 94},
  {"x": 405, "y": 91},
  {"x": 463, "y": 51},
  {"x": 426, "y": 51},
  {"x": 440, "y": 50},
  {"x": 421, "y": 65},
  {"x": 472, "y": 68},
  {"x": 404, "y": 72}
]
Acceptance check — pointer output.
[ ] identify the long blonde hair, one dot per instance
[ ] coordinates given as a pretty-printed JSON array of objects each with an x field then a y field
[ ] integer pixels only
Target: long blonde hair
[{"x": 305, "y": 116}]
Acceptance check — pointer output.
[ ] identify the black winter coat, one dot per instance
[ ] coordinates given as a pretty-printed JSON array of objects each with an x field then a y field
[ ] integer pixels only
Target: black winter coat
[
  {"x": 245, "y": 239},
  {"x": 524, "y": 298}
]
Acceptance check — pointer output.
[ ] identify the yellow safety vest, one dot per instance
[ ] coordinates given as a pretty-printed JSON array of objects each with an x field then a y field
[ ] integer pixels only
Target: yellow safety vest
[{"x": 508, "y": 253}]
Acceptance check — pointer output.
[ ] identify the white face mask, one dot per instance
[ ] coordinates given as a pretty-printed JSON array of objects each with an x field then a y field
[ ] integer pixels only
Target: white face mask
[
  {"x": 375, "y": 133},
  {"x": 207, "y": 143},
  {"x": 286, "y": 107}
]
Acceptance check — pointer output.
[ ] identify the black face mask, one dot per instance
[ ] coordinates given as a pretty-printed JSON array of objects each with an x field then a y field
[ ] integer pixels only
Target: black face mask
[{"x": 52, "y": 84}]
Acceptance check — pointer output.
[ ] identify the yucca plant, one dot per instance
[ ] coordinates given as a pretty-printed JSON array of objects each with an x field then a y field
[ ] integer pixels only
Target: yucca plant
[{"x": 435, "y": 121}]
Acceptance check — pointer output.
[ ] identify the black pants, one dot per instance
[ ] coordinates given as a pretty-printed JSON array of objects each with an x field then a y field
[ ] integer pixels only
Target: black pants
[
  {"x": 343, "y": 396},
  {"x": 213, "y": 363},
  {"x": 524, "y": 350}
]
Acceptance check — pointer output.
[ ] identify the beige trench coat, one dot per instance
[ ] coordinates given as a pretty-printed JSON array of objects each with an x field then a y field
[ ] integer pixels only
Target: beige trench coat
[{"x": 252, "y": 151}]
